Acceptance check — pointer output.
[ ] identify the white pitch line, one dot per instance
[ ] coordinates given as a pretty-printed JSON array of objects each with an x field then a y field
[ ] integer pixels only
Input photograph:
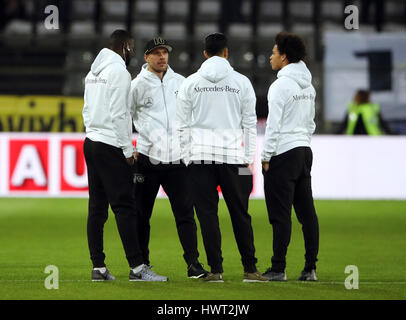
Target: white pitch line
[
  {"x": 279, "y": 282},
  {"x": 341, "y": 282}
]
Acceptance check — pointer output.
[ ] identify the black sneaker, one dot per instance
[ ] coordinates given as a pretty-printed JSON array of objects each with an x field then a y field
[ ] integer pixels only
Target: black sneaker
[
  {"x": 308, "y": 275},
  {"x": 196, "y": 271},
  {"x": 274, "y": 276},
  {"x": 97, "y": 275}
]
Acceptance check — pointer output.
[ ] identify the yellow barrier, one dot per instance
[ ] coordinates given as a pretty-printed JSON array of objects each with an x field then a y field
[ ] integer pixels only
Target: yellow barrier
[{"x": 41, "y": 114}]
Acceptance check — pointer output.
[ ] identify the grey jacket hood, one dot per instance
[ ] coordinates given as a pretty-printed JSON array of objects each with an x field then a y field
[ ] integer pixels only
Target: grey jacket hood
[
  {"x": 297, "y": 72},
  {"x": 215, "y": 69},
  {"x": 105, "y": 58}
]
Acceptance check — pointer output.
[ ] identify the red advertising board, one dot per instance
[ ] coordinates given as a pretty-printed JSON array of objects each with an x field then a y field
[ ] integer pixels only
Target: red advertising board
[
  {"x": 46, "y": 165},
  {"x": 73, "y": 174},
  {"x": 28, "y": 163}
]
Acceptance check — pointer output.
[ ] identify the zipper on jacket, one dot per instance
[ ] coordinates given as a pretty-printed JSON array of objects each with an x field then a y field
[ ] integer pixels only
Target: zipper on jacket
[{"x": 167, "y": 121}]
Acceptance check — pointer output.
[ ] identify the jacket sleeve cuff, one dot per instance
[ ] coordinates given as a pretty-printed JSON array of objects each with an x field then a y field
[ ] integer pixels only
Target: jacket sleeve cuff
[
  {"x": 248, "y": 160},
  {"x": 265, "y": 157},
  {"x": 128, "y": 152}
]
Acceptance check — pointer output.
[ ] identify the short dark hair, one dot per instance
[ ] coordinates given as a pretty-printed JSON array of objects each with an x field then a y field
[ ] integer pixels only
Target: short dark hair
[
  {"x": 292, "y": 45},
  {"x": 362, "y": 96},
  {"x": 215, "y": 43},
  {"x": 118, "y": 38}
]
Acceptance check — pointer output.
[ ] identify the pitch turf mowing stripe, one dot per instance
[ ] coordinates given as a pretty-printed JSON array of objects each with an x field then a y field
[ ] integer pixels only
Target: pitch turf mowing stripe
[{"x": 35, "y": 233}]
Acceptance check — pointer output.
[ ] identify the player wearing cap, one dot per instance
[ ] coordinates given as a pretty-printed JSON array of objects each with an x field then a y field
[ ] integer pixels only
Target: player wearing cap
[
  {"x": 153, "y": 107},
  {"x": 217, "y": 125}
]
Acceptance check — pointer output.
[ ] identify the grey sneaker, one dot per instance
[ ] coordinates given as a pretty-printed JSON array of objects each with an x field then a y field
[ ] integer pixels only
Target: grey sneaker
[
  {"x": 274, "y": 276},
  {"x": 254, "y": 277},
  {"x": 213, "y": 277},
  {"x": 146, "y": 274},
  {"x": 308, "y": 276},
  {"x": 97, "y": 275}
]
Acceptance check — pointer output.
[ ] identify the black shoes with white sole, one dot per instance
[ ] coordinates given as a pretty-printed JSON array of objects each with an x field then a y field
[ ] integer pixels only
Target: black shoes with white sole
[{"x": 196, "y": 271}]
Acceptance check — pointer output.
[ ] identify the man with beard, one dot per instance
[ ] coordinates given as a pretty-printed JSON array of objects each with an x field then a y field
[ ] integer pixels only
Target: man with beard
[
  {"x": 109, "y": 155},
  {"x": 153, "y": 107}
]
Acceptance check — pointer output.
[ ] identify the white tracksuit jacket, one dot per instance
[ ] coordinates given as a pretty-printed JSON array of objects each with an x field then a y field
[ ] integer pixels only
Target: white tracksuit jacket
[
  {"x": 153, "y": 108},
  {"x": 105, "y": 113},
  {"x": 216, "y": 115},
  {"x": 291, "y": 104}
]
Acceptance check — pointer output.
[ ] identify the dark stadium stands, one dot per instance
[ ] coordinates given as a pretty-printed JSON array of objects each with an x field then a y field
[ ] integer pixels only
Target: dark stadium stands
[{"x": 39, "y": 61}]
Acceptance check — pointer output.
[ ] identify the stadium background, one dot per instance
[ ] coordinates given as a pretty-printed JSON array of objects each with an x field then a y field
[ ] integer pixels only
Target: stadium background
[{"x": 41, "y": 130}]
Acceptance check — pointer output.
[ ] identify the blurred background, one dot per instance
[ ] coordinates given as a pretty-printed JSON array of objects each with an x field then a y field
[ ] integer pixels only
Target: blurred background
[
  {"x": 45, "y": 63},
  {"x": 359, "y": 147}
]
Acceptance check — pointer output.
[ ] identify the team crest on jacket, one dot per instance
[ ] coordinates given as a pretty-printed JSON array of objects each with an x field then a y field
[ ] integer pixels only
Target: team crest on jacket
[
  {"x": 138, "y": 178},
  {"x": 148, "y": 101}
]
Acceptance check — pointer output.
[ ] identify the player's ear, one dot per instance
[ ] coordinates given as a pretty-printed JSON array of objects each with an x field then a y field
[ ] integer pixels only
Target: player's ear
[
  {"x": 225, "y": 53},
  {"x": 205, "y": 54},
  {"x": 145, "y": 58},
  {"x": 126, "y": 46}
]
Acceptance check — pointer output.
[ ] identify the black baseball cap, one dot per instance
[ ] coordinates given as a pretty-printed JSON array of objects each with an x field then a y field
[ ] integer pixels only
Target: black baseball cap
[{"x": 156, "y": 42}]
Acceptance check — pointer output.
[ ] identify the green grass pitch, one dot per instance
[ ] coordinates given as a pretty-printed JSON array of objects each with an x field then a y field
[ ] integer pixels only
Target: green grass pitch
[{"x": 35, "y": 233}]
